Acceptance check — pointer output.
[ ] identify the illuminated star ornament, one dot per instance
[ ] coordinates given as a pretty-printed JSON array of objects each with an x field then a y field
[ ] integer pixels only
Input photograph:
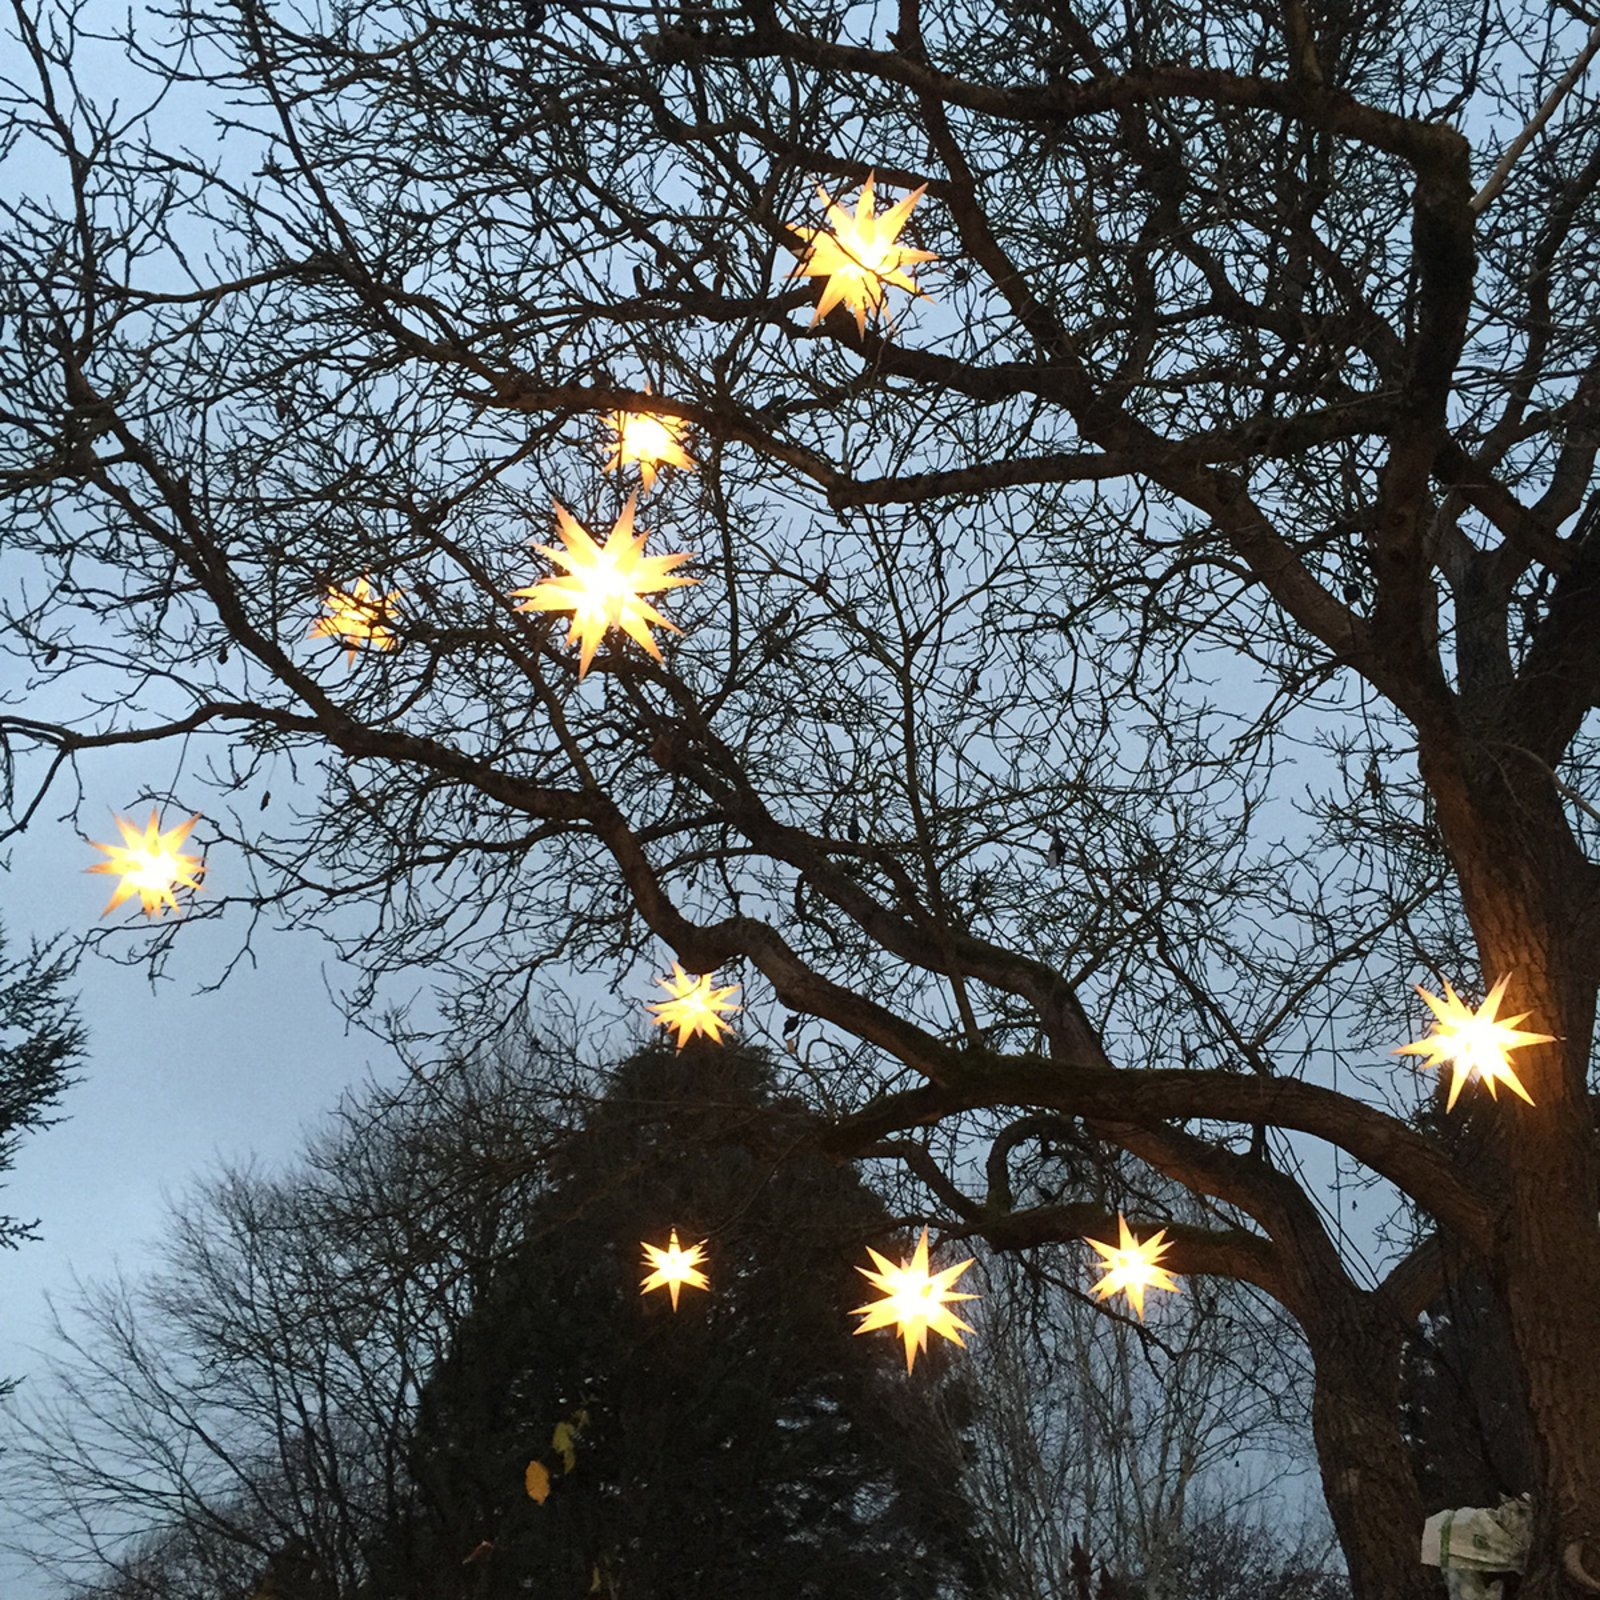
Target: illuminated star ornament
[
  {"x": 1131, "y": 1266},
  {"x": 358, "y": 616},
  {"x": 914, "y": 1299},
  {"x": 1473, "y": 1042},
  {"x": 674, "y": 1267},
  {"x": 650, "y": 441},
  {"x": 604, "y": 585},
  {"x": 151, "y": 865},
  {"x": 695, "y": 1007},
  {"x": 858, "y": 255}
]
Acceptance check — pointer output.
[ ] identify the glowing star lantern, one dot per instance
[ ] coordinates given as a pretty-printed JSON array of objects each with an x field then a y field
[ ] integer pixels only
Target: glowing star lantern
[
  {"x": 150, "y": 864},
  {"x": 695, "y": 1007},
  {"x": 859, "y": 256},
  {"x": 914, "y": 1299},
  {"x": 1131, "y": 1266},
  {"x": 604, "y": 585},
  {"x": 358, "y": 616},
  {"x": 651, "y": 441},
  {"x": 1473, "y": 1042},
  {"x": 674, "y": 1267}
]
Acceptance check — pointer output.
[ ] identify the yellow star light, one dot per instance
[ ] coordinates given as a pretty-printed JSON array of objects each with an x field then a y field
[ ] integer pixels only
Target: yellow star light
[
  {"x": 653, "y": 442},
  {"x": 859, "y": 256},
  {"x": 1473, "y": 1042},
  {"x": 358, "y": 616},
  {"x": 1130, "y": 1267},
  {"x": 695, "y": 1007},
  {"x": 914, "y": 1299},
  {"x": 604, "y": 585},
  {"x": 150, "y": 864},
  {"x": 674, "y": 1267}
]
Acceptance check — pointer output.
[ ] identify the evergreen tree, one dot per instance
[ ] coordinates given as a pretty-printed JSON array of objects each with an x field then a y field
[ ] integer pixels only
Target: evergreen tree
[
  {"x": 41, "y": 1042},
  {"x": 585, "y": 1438}
]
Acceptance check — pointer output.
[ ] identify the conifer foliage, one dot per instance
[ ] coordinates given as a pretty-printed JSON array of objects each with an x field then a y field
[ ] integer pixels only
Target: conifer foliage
[
  {"x": 41, "y": 1045},
  {"x": 586, "y": 1438}
]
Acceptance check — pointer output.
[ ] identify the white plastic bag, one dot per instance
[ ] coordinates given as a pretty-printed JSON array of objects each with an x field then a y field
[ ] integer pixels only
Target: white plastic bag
[{"x": 1471, "y": 1542}]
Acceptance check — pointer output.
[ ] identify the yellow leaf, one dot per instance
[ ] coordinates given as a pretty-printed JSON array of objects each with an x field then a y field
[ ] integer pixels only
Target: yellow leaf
[
  {"x": 564, "y": 1441},
  {"x": 537, "y": 1478}
]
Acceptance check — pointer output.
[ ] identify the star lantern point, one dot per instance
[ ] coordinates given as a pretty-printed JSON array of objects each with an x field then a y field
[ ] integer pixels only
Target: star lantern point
[
  {"x": 915, "y": 1300},
  {"x": 151, "y": 864},
  {"x": 1475, "y": 1044}
]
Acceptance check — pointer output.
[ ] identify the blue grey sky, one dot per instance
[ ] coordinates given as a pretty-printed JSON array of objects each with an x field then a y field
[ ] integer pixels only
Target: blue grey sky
[{"x": 175, "y": 1082}]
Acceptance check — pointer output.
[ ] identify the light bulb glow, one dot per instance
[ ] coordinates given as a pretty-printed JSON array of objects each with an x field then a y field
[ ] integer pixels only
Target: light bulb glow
[
  {"x": 1475, "y": 1044},
  {"x": 151, "y": 865},
  {"x": 673, "y": 1267}
]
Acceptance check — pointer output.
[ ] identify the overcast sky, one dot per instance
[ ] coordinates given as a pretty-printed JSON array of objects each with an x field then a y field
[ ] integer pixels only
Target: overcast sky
[{"x": 176, "y": 1082}]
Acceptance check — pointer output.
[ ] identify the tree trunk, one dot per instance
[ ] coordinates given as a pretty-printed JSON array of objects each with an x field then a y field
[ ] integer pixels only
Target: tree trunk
[
  {"x": 1529, "y": 895},
  {"x": 1366, "y": 1469},
  {"x": 1550, "y": 1273}
]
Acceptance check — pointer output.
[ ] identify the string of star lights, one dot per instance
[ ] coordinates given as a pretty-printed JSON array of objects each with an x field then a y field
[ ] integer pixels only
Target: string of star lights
[
  {"x": 674, "y": 1267},
  {"x": 151, "y": 864},
  {"x": 1131, "y": 1266},
  {"x": 604, "y": 586},
  {"x": 859, "y": 256},
  {"x": 915, "y": 1300},
  {"x": 695, "y": 1007},
  {"x": 358, "y": 616},
  {"x": 1474, "y": 1043}
]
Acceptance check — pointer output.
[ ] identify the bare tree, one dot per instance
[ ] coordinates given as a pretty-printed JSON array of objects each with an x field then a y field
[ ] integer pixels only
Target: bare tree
[
  {"x": 1106, "y": 1444},
  {"x": 1104, "y": 687},
  {"x": 253, "y": 1398},
  {"x": 336, "y": 1385}
]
